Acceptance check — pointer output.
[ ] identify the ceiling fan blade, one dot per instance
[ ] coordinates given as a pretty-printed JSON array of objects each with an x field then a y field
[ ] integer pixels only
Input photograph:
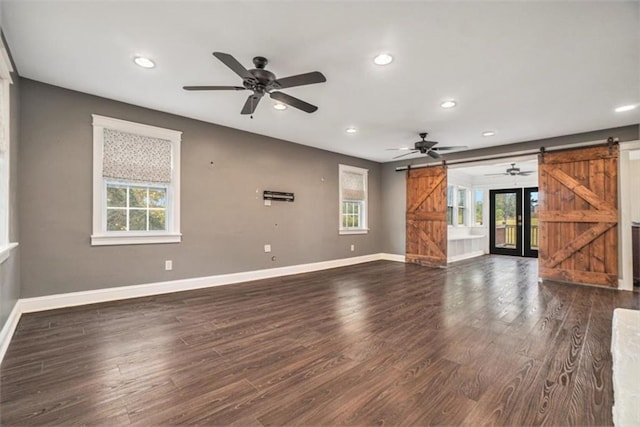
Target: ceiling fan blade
[
  {"x": 433, "y": 154},
  {"x": 495, "y": 174},
  {"x": 405, "y": 154},
  {"x": 213, "y": 88},
  {"x": 301, "y": 80},
  {"x": 294, "y": 102},
  {"x": 250, "y": 104},
  {"x": 233, "y": 63},
  {"x": 452, "y": 147},
  {"x": 526, "y": 173}
]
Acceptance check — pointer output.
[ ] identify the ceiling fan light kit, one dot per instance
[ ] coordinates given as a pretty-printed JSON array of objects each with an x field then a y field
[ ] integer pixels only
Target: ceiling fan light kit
[{"x": 261, "y": 81}]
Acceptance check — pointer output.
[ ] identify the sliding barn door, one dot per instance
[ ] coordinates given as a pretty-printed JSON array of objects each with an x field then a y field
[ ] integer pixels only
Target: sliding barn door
[
  {"x": 427, "y": 216},
  {"x": 578, "y": 214}
]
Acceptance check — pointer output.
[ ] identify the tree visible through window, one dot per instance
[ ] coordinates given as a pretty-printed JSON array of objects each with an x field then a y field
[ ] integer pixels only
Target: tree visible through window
[
  {"x": 479, "y": 198},
  {"x": 351, "y": 214},
  {"x": 462, "y": 204},
  {"x": 136, "y": 183},
  {"x": 137, "y": 208}
]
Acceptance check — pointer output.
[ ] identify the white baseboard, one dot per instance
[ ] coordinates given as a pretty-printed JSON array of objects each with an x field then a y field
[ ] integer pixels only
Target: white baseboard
[
  {"x": 50, "y": 302},
  {"x": 392, "y": 257},
  {"x": 465, "y": 256},
  {"x": 9, "y": 328}
]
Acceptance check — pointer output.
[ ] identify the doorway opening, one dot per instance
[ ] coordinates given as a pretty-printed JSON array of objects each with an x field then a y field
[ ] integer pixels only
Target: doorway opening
[{"x": 513, "y": 217}]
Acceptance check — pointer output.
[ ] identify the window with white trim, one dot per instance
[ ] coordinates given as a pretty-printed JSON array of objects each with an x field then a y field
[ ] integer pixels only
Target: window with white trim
[
  {"x": 5, "y": 148},
  {"x": 478, "y": 207},
  {"x": 353, "y": 199},
  {"x": 136, "y": 183},
  {"x": 462, "y": 206}
]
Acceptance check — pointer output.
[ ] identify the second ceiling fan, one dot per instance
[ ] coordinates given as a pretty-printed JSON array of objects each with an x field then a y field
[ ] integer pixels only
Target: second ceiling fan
[
  {"x": 428, "y": 147},
  {"x": 261, "y": 82}
]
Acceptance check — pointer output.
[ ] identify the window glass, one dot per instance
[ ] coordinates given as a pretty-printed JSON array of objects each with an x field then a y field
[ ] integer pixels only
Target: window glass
[
  {"x": 478, "y": 214},
  {"x": 353, "y": 199}
]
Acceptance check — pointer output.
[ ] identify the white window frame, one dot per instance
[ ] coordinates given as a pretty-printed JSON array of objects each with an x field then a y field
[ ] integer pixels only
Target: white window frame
[
  {"x": 452, "y": 206},
  {"x": 363, "y": 229},
  {"x": 5, "y": 157},
  {"x": 100, "y": 235},
  {"x": 475, "y": 201},
  {"x": 465, "y": 214}
]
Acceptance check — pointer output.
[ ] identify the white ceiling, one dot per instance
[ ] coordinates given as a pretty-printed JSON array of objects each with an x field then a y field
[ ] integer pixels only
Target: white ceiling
[{"x": 526, "y": 70}]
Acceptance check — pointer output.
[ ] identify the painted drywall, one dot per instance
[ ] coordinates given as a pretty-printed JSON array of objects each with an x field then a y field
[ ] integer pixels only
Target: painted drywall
[
  {"x": 224, "y": 222},
  {"x": 394, "y": 197},
  {"x": 394, "y": 183},
  {"x": 10, "y": 268}
]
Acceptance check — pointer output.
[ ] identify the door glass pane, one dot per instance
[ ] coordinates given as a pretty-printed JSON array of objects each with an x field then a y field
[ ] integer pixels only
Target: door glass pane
[
  {"x": 533, "y": 227},
  {"x": 506, "y": 221}
]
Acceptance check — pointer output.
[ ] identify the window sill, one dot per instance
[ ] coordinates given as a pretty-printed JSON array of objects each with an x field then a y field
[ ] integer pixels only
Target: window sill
[
  {"x": 360, "y": 231},
  {"x": 134, "y": 239},
  {"x": 5, "y": 251}
]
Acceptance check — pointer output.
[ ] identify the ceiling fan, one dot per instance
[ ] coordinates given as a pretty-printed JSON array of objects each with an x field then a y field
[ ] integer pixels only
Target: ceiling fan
[
  {"x": 261, "y": 81},
  {"x": 428, "y": 148},
  {"x": 512, "y": 171}
]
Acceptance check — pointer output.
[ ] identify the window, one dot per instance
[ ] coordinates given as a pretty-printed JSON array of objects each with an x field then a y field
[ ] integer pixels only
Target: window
[
  {"x": 478, "y": 201},
  {"x": 136, "y": 187},
  {"x": 136, "y": 208},
  {"x": 462, "y": 205},
  {"x": 5, "y": 148},
  {"x": 450, "y": 205},
  {"x": 353, "y": 200}
]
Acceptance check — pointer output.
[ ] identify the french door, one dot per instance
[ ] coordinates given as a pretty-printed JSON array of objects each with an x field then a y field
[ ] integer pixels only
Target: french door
[{"x": 513, "y": 221}]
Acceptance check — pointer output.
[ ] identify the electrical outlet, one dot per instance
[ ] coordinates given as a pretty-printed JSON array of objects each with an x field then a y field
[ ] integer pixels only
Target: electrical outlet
[
  {"x": 267, "y": 202},
  {"x": 267, "y": 248},
  {"x": 353, "y": 248},
  {"x": 168, "y": 265}
]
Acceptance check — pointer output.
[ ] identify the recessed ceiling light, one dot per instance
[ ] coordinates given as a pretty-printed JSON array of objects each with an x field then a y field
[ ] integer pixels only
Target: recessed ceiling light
[
  {"x": 383, "y": 59},
  {"x": 279, "y": 106},
  {"x": 448, "y": 104},
  {"x": 351, "y": 130},
  {"x": 144, "y": 62},
  {"x": 488, "y": 133},
  {"x": 626, "y": 108}
]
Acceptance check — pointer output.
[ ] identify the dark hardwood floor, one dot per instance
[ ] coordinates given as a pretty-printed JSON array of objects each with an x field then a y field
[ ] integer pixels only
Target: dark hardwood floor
[{"x": 480, "y": 342}]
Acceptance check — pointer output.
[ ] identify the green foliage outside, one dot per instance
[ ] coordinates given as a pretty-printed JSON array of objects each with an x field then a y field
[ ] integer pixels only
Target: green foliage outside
[{"x": 144, "y": 206}]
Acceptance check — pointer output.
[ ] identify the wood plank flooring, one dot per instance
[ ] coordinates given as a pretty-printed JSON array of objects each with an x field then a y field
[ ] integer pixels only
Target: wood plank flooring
[{"x": 480, "y": 342}]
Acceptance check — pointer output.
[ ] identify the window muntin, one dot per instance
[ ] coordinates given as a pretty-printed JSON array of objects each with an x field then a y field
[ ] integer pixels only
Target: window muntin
[
  {"x": 136, "y": 183},
  {"x": 353, "y": 193},
  {"x": 135, "y": 207},
  {"x": 462, "y": 205},
  {"x": 450, "y": 189},
  {"x": 351, "y": 214}
]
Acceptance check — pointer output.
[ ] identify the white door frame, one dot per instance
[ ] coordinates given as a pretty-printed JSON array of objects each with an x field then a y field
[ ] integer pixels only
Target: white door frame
[{"x": 628, "y": 151}]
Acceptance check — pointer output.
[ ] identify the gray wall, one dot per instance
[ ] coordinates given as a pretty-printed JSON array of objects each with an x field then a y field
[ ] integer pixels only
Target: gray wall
[
  {"x": 224, "y": 221},
  {"x": 10, "y": 269},
  {"x": 394, "y": 183}
]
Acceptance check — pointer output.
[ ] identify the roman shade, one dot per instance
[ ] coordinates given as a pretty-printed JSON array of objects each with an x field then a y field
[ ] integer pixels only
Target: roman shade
[
  {"x": 352, "y": 185},
  {"x": 132, "y": 157}
]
